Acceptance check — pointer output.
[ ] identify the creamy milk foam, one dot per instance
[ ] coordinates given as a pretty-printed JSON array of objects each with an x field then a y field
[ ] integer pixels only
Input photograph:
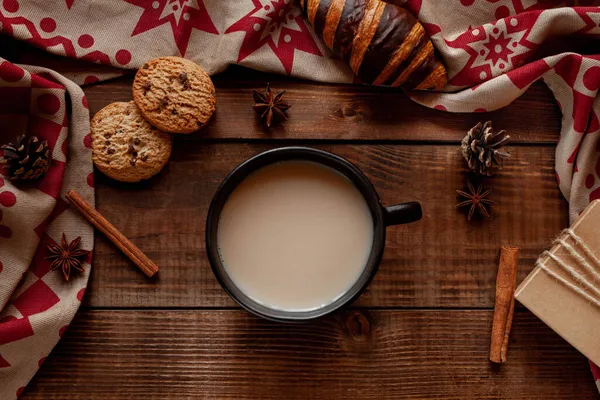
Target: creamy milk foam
[{"x": 295, "y": 235}]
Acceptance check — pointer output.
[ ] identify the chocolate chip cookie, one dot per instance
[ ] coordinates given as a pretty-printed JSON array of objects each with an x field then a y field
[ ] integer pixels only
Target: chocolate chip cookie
[
  {"x": 174, "y": 94},
  {"x": 125, "y": 146}
]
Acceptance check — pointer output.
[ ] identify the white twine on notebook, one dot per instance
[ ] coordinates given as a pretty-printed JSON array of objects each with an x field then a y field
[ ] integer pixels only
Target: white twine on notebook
[
  {"x": 587, "y": 251},
  {"x": 582, "y": 280}
]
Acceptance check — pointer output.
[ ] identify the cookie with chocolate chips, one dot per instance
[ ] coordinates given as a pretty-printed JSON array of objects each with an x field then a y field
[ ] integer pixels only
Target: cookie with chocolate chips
[
  {"x": 125, "y": 146},
  {"x": 174, "y": 94}
]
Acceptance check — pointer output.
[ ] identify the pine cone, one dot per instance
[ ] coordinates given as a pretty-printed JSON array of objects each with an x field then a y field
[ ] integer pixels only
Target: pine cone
[
  {"x": 482, "y": 148},
  {"x": 27, "y": 160}
]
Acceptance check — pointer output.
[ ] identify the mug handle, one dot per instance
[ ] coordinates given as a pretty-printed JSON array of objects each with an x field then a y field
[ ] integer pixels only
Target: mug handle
[{"x": 402, "y": 213}]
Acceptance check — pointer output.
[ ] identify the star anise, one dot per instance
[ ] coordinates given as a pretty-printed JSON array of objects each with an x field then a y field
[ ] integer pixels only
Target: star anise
[
  {"x": 67, "y": 256},
  {"x": 270, "y": 106},
  {"x": 476, "y": 198}
]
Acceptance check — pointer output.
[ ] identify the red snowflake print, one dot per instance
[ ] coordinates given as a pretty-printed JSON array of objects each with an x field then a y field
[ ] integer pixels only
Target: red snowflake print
[
  {"x": 7, "y": 199},
  {"x": 183, "y": 15},
  {"x": 498, "y": 49},
  {"x": 494, "y": 49},
  {"x": 278, "y": 24}
]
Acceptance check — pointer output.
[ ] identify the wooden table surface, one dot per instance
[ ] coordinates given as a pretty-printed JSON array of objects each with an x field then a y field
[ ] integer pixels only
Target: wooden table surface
[{"x": 420, "y": 331}]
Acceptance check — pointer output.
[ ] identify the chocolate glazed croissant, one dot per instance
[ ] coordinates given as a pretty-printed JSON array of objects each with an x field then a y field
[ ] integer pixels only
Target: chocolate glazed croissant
[{"x": 383, "y": 43}]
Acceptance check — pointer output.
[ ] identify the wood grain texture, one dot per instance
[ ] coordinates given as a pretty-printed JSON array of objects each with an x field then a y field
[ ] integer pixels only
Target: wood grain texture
[
  {"x": 441, "y": 261},
  {"x": 369, "y": 352},
  {"x": 354, "y": 355},
  {"x": 341, "y": 112},
  {"x": 323, "y": 111}
]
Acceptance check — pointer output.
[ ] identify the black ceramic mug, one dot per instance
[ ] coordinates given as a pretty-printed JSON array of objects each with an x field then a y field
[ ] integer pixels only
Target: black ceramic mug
[{"x": 382, "y": 217}]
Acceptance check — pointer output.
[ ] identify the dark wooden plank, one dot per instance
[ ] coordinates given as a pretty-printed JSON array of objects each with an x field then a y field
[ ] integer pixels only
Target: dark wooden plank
[
  {"x": 441, "y": 261},
  {"x": 356, "y": 354},
  {"x": 323, "y": 111},
  {"x": 344, "y": 112}
]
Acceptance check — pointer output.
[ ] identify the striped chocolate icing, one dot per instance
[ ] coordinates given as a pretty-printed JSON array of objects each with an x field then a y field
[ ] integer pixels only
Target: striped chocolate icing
[{"x": 383, "y": 43}]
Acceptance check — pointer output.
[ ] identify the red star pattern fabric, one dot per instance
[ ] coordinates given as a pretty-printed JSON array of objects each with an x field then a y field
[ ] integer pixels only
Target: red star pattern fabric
[
  {"x": 278, "y": 24},
  {"x": 492, "y": 62},
  {"x": 182, "y": 15},
  {"x": 491, "y": 48},
  {"x": 269, "y": 35},
  {"x": 34, "y": 302},
  {"x": 493, "y": 51}
]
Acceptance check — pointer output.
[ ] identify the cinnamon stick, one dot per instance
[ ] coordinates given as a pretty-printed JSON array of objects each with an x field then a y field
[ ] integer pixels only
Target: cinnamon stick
[
  {"x": 506, "y": 283},
  {"x": 129, "y": 249}
]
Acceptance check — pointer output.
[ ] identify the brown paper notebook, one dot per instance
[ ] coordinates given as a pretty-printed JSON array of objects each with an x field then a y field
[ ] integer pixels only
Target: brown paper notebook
[{"x": 568, "y": 313}]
